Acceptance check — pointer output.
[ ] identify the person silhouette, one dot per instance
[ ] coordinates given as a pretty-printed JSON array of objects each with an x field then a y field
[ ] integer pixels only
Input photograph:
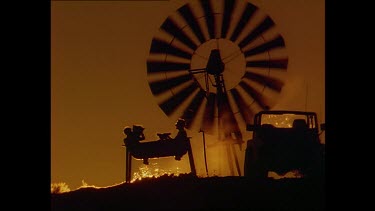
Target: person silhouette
[
  {"x": 180, "y": 126},
  {"x": 130, "y": 140},
  {"x": 133, "y": 138},
  {"x": 181, "y": 135},
  {"x": 300, "y": 124},
  {"x": 139, "y": 136},
  {"x": 138, "y": 132}
]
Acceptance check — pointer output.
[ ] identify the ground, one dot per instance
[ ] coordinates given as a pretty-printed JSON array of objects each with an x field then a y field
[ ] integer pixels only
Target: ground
[{"x": 188, "y": 192}]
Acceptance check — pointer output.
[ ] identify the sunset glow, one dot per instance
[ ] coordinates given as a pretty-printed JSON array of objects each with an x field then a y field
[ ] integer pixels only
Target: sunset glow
[
  {"x": 60, "y": 187},
  {"x": 100, "y": 84},
  {"x": 153, "y": 170}
]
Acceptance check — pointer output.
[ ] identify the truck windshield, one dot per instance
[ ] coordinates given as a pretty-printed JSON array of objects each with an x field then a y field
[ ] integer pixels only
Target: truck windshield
[{"x": 284, "y": 120}]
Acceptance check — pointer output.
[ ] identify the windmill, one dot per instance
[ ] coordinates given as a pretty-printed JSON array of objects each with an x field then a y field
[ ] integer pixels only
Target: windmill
[{"x": 215, "y": 64}]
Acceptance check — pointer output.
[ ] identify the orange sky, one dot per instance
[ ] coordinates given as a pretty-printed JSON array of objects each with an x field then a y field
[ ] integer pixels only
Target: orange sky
[{"x": 99, "y": 82}]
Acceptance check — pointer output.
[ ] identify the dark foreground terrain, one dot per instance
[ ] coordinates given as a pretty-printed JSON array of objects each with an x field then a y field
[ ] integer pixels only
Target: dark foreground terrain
[{"x": 188, "y": 192}]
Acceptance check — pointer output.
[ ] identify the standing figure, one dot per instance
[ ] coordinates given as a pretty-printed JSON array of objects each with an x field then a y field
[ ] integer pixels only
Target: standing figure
[
  {"x": 181, "y": 136},
  {"x": 180, "y": 126}
]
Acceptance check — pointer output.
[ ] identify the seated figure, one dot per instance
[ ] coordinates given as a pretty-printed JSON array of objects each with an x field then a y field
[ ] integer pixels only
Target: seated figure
[
  {"x": 299, "y": 124},
  {"x": 138, "y": 132}
]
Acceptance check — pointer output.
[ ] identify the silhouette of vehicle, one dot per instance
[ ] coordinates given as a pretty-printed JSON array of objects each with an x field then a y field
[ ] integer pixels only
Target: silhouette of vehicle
[{"x": 284, "y": 141}]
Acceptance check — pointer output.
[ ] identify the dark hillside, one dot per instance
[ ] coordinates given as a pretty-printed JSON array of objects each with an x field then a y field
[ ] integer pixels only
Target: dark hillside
[{"x": 187, "y": 192}]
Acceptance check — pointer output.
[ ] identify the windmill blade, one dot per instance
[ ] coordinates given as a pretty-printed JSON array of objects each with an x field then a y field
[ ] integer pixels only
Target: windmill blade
[
  {"x": 191, "y": 111},
  {"x": 171, "y": 104},
  {"x": 266, "y": 24},
  {"x": 228, "y": 13},
  {"x": 275, "y": 43},
  {"x": 270, "y": 82},
  {"x": 274, "y": 63},
  {"x": 160, "y": 86},
  {"x": 159, "y": 46},
  {"x": 258, "y": 98},
  {"x": 187, "y": 14},
  {"x": 246, "y": 15},
  {"x": 209, "y": 114},
  {"x": 171, "y": 28},
  {"x": 246, "y": 113},
  {"x": 160, "y": 66},
  {"x": 210, "y": 19}
]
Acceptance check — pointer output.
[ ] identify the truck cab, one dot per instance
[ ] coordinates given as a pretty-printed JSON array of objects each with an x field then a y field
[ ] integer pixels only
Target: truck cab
[{"x": 284, "y": 141}]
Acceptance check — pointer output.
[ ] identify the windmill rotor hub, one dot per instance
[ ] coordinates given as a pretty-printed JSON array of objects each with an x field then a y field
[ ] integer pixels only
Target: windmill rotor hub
[{"x": 219, "y": 57}]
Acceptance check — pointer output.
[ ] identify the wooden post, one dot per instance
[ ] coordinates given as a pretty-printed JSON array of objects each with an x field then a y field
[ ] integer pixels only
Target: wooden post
[
  {"x": 236, "y": 160},
  {"x": 191, "y": 159},
  {"x": 204, "y": 150},
  {"x": 128, "y": 167}
]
